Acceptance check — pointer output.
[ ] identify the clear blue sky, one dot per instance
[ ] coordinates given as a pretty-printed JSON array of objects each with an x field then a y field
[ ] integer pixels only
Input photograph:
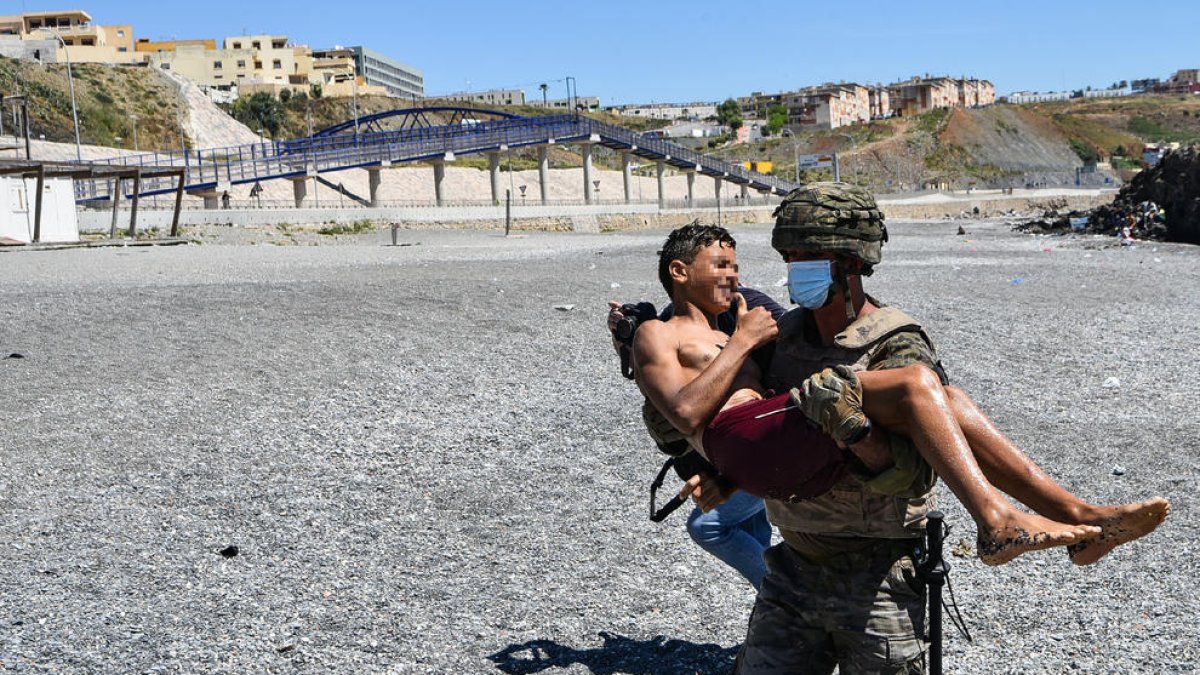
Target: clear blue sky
[{"x": 669, "y": 50}]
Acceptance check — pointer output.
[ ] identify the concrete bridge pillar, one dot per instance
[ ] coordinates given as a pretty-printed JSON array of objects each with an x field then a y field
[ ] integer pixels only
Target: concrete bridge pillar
[
  {"x": 212, "y": 198},
  {"x": 299, "y": 190},
  {"x": 626, "y": 174},
  {"x": 660, "y": 167},
  {"x": 373, "y": 180},
  {"x": 543, "y": 170},
  {"x": 717, "y": 180},
  {"x": 494, "y": 173},
  {"x": 586, "y": 148},
  {"x": 439, "y": 175},
  {"x": 691, "y": 182},
  {"x": 745, "y": 192}
]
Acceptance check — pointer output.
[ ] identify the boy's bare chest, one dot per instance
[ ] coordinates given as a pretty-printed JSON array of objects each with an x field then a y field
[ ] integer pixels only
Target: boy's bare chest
[{"x": 698, "y": 348}]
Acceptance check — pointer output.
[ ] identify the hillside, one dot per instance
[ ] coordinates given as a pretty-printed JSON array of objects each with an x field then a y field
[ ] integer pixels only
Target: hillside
[
  {"x": 105, "y": 96},
  {"x": 999, "y": 146}
]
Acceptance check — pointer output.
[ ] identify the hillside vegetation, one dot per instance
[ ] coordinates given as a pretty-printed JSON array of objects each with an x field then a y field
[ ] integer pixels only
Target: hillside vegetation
[{"x": 105, "y": 97}]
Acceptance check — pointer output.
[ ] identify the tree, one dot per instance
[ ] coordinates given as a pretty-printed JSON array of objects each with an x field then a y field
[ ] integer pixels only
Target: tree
[
  {"x": 259, "y": 111},
  {"x": 729, "y": 114},
  {"x": 777, "y": 117}
]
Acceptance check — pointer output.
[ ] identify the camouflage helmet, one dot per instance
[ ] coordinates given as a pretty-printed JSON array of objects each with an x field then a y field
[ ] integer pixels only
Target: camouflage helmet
[{"x": 831, "y": 218}]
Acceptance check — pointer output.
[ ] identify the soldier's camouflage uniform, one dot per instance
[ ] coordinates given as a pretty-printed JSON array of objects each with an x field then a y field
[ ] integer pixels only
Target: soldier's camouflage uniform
[{"x": 842, "y": 588}]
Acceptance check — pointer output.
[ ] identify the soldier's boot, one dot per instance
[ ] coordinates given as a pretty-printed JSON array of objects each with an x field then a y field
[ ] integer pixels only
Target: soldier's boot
[{"x": 832, "y": 399}]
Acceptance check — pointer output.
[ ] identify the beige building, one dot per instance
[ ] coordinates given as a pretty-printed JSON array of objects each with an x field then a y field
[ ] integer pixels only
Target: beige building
[
  {"x": 83, "y": 41},
  {"x": 250, "y": 63},
  {"x": 661, "y": 111},
  {"x": 146, "y": 45},
  {"x": 826, "y": 106},
  {"x": 918, "y": 95},
  {"x": 491, "y": 97}
]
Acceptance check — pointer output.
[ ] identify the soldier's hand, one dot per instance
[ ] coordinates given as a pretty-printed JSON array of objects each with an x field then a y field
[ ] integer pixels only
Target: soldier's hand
[
  {"x": 707, "y": 492},
  {"x": 755, "y": 325},
  {"x": 614, "y": 315}
]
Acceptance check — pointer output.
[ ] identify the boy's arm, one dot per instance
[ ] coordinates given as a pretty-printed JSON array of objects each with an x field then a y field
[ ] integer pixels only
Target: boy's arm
[{"x": 689, "y": 404}]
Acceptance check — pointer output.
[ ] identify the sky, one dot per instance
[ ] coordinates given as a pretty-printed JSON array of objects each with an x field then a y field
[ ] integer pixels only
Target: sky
[{"x": 674, "y": 51}]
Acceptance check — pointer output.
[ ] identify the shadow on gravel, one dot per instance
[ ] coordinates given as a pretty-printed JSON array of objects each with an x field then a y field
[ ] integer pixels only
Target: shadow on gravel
[{"x": 619, "y": 654}]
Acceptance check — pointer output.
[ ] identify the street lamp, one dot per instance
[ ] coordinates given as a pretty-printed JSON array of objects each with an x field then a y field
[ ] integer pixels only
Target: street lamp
[
  {"x": 854, "y": 149},
  {"x": 71, "y": 85}
]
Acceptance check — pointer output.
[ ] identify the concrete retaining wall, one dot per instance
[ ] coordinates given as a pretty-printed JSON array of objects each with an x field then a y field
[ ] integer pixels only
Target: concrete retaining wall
[{"x": 584, "y": 218}]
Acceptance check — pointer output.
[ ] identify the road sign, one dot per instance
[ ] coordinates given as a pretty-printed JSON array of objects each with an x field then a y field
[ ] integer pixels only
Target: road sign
[{"x": 814, "y": 161}]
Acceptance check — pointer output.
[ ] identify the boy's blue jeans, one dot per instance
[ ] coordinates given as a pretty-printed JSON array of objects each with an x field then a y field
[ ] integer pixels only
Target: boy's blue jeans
[{"x": 737, "y": 533}]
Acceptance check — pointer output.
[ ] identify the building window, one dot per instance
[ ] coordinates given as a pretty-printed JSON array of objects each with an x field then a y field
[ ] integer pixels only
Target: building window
[
  {"x": 256, "y": 44},
  {"x": 122, "y": 49},
  {"x": 237, "y": 45},
  {"x": 241, "y": 63},
  {"x": 258, "y": 65},
  {"x": 120, "y": 33},
  {"x": 165, "y": 66},
  {"x": 277, "y": 64},
  {"x": 217, "y": 65}
]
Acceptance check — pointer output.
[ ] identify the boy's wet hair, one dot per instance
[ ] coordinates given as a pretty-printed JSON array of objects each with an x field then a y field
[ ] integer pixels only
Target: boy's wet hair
[{"x": 684, "y": 243}]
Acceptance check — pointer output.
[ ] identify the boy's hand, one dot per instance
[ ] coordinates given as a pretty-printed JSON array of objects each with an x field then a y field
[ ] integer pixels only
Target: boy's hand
[{"x": 754, "y": 325}]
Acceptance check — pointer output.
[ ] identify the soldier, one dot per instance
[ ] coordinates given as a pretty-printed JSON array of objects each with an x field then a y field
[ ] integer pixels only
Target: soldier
[{"x": 842, "y": 589}]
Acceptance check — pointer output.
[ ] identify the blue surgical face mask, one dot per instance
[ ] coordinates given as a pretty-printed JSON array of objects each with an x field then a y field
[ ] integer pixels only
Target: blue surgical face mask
[{"x": 809, "y": 282}]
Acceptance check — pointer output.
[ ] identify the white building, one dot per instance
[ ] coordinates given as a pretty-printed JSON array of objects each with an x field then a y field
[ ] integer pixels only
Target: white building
[{"x": 18, "y": 200}]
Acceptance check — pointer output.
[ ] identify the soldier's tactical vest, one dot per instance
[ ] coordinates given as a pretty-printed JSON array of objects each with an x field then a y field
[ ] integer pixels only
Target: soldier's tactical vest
[{"x": 850, "y": 509}]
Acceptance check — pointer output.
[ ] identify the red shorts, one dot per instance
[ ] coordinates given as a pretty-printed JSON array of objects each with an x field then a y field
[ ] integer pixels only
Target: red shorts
[{"x": 776, "y": 455}]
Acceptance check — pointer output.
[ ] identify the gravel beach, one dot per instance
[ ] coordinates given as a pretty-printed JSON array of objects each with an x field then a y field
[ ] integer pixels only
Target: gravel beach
[{"x": 363, "y": 458}]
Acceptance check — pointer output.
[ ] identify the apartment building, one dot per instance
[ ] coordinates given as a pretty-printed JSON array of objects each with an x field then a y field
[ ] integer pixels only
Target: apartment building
[
  {"x": 490, "y": 97},
  {"x": 148, "y": 46},
  {"x": 826, "y": 106},
  {"x": 1037, "y": 97},
  {"x": 82, "y": 40},
  {"x": 918, "y": 95},
  {"x": 975, "y": 93},
  {"x": 698, "y": 110},
  {"x": 922, "y": 94},
  {"x": 399, "y": 79},
  {"x": 1186, "y": 81}
]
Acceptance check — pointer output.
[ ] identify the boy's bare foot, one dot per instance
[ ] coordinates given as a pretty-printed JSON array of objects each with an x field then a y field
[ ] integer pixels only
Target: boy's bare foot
[
  {"x": 1028, "y": 532},
  {"x": 1120, "y": 525}
]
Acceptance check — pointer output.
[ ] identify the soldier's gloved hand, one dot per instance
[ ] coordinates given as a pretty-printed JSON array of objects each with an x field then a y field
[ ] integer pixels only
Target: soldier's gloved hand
[{"x": 832, "y": 399}]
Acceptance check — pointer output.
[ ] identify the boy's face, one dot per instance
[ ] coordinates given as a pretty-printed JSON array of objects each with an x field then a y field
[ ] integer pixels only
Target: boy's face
[{"x": 713, "y": 277}]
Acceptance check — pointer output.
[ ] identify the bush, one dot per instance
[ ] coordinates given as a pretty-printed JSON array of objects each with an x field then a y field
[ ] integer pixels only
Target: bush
[{"x": 1085, "y": 151}]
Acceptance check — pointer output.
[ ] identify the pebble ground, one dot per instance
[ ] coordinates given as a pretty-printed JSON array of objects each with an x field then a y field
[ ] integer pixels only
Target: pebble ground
[{"x": 422, "y": 458}]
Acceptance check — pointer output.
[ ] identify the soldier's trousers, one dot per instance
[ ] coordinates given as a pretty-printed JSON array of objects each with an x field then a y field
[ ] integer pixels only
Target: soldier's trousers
[{"x": 863, "y": 612}]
